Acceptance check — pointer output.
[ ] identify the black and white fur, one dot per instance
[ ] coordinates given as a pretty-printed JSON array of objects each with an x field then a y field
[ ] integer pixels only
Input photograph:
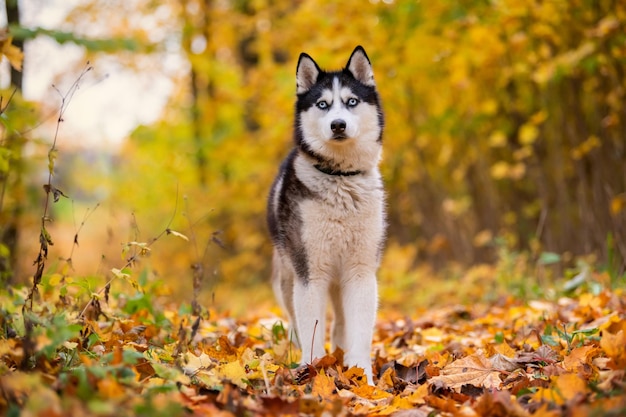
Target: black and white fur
[{"x": 326, "y": 210}]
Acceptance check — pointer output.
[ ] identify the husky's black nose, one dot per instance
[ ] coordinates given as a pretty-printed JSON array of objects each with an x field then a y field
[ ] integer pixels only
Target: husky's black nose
[{"x": 338, "y": 126}]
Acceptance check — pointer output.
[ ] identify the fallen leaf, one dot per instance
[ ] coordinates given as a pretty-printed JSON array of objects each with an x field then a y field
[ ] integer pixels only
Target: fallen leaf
[
  {"x": 566, "y": 388},
  {"x": 274, "y": 405},
  {"x": 544, "y": 355},
  {"x": 571, "y": 386},
  {"x": 473, "y": 370},
  {"x": 580, "y": 359},
  {"x": 110, "y": 388},
  {"x": 499, "y": 404},
  {"x": 502, "y": 363},
  {"x": 235, "y": 373},
  {"x": 417, "y": 396},
  {"x": 323, "y": 385},
  {"x": 194, "y": 363},
  {"x": 443, "y": 404},
  {"x": 505, "y": 350},
  {"x": 614, "y": 345}
]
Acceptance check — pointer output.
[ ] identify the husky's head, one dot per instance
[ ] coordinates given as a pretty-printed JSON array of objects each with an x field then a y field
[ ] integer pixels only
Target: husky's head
[{"x": 339, "y": 121}]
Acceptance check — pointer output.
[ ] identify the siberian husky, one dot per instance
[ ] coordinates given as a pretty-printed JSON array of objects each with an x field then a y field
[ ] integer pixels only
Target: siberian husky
[{"x": 326, "y": 210}]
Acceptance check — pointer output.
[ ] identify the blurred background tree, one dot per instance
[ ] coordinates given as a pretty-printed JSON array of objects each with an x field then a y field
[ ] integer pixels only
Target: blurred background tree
[
  {"x": 505, "y": 124},
  {"x": 10, "y": 154}
]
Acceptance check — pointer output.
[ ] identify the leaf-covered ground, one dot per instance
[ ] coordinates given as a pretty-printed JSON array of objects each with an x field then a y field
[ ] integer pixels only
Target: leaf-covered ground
[{"x": 138, "y": 355}]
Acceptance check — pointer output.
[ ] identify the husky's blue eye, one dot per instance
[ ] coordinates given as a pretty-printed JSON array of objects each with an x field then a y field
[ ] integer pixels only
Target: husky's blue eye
[
  {"x": 322, "y": 105},
  {"x": 352, "y": 102}
]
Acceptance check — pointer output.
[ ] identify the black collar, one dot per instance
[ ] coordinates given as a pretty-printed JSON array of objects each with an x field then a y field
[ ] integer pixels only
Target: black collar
[{"x": 329, "y": 171}]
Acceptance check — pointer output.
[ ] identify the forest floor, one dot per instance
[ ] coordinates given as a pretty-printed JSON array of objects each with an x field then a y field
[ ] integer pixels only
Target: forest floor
[{"x": 142, "y": 354}]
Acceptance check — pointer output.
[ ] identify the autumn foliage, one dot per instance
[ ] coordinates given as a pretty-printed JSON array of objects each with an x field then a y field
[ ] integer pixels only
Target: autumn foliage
[
  {"x": 141, "y": 355},
  {"x": 504, "y": 122},
  {"x": 502, "y": 284}
]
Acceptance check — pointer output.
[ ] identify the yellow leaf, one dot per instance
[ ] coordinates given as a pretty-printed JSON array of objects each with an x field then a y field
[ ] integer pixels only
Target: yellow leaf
[
  {"x": 13, "y": 54},
  {"x": 505, "y": 349},
  {"x": 483, "y": 238},
  {"x": 70, "y": 345},
  {"x": 570, "y": 386},
  {"x": 170, "y": 373},
  {"x": 143, "y": 247},
  {"x": 397, "y": 404},
  {"x": 544, "y": 73},
  {"x": 7, "y": 346},
  {"x": 500, "y": 170},
  {"x": 614, "y": 345},
  {"x": 126, "y": 277},
  {"x": 497, "y": 139},
  {"x": 52, "y": 156},
  {"x": 155, "y": 382},
  {"x": 489, "y": 107},
  {"x": 257, "y": 368},
  {"x": 539, "y": 117},
  {"x": 584, "y": 148},
  {"x": 371, "y": 393},
  {"x": 323, "y": 385},
  {"x": 194, "y": 363},
  {"x": 356, "y": 375},
  {"x": 109, "y": 388},
  {"x": 617, "y": 204},
  {"x": 209, "y": 379},
  {"x": 528, "y": 134},
  {"x": 579, "y": 358},
  {"x": 417, "y": 396},
  {"x": 385, "y": 382},
  {"x": 546, "y": 395},
  {"x": 55, "y": 280},
  {"x": 433, "y": 335},
  {"x": 235, "y": 373}
]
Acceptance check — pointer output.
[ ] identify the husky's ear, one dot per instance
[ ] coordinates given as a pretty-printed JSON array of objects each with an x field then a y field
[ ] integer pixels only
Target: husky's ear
[
  {"x": 360, "y": 67},
  {"x": 306, "y": 73}
]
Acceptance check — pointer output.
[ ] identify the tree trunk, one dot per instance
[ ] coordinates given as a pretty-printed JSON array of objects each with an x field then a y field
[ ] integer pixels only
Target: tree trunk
[
  {"x": 11, "y": 179},
  {"x": 13, "y": 18}
]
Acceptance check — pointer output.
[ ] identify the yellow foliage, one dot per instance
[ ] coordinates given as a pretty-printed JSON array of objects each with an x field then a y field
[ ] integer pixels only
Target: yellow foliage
[
  {"x": 496, "y": 114},
  {"x": 11, "y": 52},
  {"x": 528, "y": 133}
]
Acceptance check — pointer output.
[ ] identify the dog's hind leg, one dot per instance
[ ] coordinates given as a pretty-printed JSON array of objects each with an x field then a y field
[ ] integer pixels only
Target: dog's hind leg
[{"x": 282, "y": 283}]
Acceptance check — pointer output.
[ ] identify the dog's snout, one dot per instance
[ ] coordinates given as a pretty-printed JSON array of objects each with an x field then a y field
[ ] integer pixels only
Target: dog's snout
[{"x": 338, "y": 126}]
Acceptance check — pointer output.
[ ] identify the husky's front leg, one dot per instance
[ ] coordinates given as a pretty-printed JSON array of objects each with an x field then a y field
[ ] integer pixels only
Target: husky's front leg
[
  {"x": 310, "y": 308},
  {"x": 359, "y": 301}
]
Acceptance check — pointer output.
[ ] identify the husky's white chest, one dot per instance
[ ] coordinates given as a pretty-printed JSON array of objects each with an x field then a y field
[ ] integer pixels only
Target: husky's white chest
[
  {"x": 344, "y": 199},
  {"x": 345, "y": 221}
]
